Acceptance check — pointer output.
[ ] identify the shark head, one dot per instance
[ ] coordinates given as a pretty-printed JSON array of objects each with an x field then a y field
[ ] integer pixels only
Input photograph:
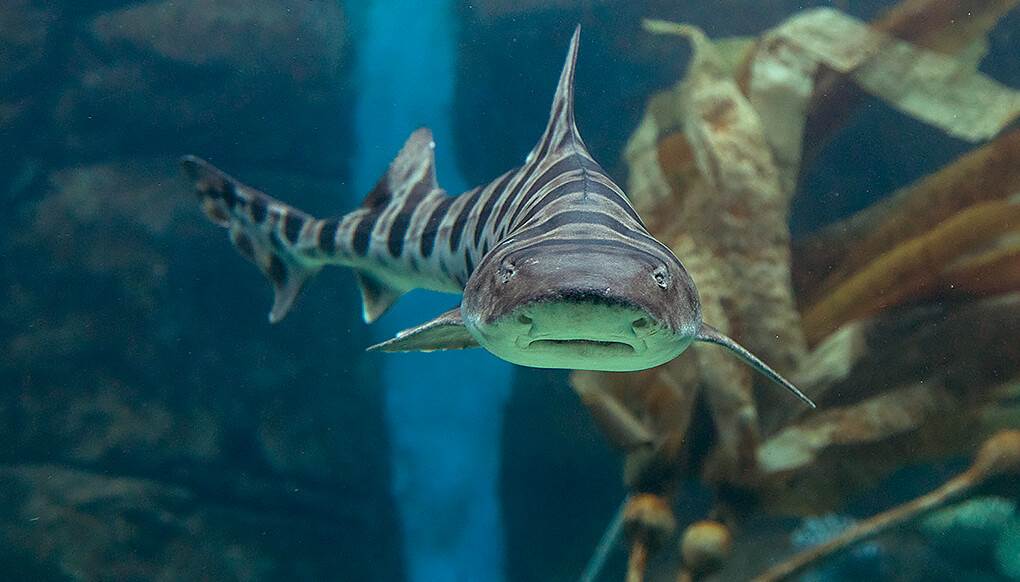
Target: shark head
[{"x": 581, "y": 305}]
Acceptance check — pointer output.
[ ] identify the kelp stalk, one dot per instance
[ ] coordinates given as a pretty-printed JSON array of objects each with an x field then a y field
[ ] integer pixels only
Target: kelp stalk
[
  {"x": 649, "y": 523},
  {"x": 606, "y": 544}
]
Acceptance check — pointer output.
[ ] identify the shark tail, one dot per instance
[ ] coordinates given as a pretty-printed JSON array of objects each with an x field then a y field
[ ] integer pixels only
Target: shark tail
[
  {"x": 264, "y": 230},
  {"x": 290, "y": 246}
]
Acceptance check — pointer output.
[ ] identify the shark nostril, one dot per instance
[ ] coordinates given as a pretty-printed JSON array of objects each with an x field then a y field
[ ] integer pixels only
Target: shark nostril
[
  {"x": 524, "y": 319},
  {"x": 640, "y": 323},
  {"x": 661, "y": 276},
  {"x": 506, "y": 272}
]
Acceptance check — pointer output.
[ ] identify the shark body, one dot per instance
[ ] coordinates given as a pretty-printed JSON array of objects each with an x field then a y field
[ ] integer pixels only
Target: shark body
[{"x": 556, "y": 268}]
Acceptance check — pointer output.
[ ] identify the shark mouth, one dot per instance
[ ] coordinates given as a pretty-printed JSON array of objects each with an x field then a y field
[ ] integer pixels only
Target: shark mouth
[{"x": 581, "y": 345}]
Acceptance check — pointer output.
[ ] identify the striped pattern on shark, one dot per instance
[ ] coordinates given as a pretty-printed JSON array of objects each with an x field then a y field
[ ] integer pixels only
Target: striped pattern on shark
[{"x": 555, "y": 265}]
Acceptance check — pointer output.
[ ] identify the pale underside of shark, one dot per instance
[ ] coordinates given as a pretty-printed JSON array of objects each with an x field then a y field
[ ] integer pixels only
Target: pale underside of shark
[{"x": 556, "y": 268}]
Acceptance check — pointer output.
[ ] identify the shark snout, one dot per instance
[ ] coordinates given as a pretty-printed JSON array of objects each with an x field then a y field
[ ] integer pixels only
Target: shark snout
[{"x": 580, "y": 324}]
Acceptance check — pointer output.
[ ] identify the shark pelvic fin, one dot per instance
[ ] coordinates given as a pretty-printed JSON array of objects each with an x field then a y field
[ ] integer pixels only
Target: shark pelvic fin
[
  {"x": 711, "y": 335},
  {"x": 258, "y": 226},
  {"x": 446, "y": 332},
  {"x": 376, "y": 296}
]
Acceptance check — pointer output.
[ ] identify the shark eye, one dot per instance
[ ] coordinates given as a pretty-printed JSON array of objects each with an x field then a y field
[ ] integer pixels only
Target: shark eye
[
  {"x": 505, "y": 273},
  {"x": 661, "y": 276}
]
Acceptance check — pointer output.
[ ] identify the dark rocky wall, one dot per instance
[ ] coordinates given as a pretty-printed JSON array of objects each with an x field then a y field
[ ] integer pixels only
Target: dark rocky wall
[{"x": 152, "y": 425}]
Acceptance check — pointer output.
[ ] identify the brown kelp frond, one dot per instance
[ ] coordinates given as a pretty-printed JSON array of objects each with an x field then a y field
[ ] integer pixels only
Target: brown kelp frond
[
  {"x": 919, "y": 383},
  {"x": 911, "y": 269},
  {"x": 949, "y": 27},
  {"x": 944, "y": 26},
  {"x": 935, "y": 88},
  {"x": 648, "y": 424},
  {"x": 714, "y": 167},
  {"x": 735, "y": 244},
  {"x": 999, "y": 456},
  {"x": 992, "y": 272},
  {"x": 826, "y": 259},
  {"x": 886, "y": 415}
]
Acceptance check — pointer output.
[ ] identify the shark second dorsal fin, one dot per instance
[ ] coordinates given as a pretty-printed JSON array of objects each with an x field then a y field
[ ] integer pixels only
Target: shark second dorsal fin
[
  {"x": 709, "y": 334},
  {"x": 446, "y": 332},
  {"x": 561, "y": 117}
]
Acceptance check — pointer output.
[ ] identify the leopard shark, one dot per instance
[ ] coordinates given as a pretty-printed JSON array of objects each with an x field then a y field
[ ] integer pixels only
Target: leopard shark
[{"x": 555, "y": 267}]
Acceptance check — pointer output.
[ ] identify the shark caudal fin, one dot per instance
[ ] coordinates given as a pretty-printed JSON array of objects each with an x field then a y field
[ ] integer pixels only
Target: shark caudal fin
[
  {"x": 290, "y": 246},
  {"x": 262, "y": 229},
  {"x": 711, "y": 335}
]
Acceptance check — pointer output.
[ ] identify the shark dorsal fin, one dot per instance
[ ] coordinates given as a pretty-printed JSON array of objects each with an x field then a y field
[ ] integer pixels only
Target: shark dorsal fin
[
  {"x": 446, "y": 332},
  {"x": 413, "y": 170},
  {"x": 561, "y": 117}
]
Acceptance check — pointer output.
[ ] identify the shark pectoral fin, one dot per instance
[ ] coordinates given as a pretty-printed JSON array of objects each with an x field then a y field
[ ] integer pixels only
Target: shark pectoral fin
[
  {"x": 711, "y": 335},
  {"x": 446, "y": 332}
]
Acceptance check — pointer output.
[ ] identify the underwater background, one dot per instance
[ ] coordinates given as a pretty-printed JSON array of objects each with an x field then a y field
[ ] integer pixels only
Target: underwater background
[{"x": 154, "y": 426}]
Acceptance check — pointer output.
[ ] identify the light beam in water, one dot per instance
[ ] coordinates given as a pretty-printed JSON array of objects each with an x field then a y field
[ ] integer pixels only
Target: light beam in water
[{"x": 444, "y": 410}]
